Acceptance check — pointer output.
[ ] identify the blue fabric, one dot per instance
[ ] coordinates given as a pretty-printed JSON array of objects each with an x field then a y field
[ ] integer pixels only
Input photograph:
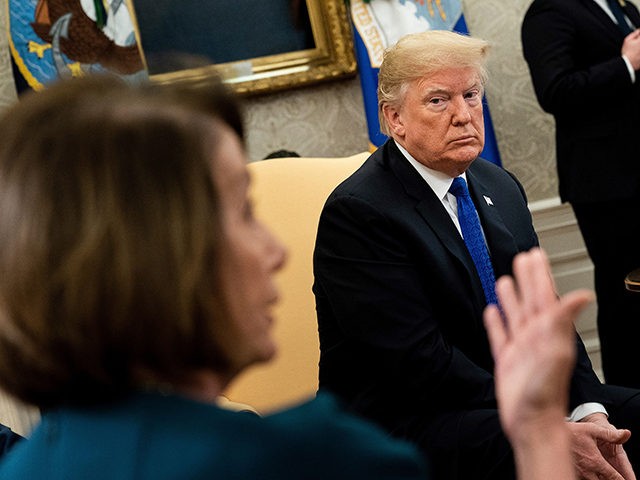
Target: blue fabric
[
  {"x": 617, "y": 11},
  {"x": 8, "y": 439},
  {"x": 156, "y": 437},
  {"x": 473, "y": 238}
]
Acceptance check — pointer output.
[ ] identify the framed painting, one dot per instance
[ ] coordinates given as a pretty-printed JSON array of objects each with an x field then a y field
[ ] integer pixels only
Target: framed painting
[{"x": 256, "y": 47}]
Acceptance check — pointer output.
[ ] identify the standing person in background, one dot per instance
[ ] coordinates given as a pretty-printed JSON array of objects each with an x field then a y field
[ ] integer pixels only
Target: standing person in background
[{"x": 584, "y": 57}]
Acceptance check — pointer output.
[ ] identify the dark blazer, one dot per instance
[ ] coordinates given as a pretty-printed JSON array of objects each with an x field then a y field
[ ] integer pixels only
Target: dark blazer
[
  {"x": 150, "y": 436},
  {"x": 573, "y": 49},
  {"x": 399, "y": 302}
]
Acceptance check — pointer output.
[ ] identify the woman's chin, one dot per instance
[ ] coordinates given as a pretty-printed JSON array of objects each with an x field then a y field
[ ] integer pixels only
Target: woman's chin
[{"x": 260, "y": 355}]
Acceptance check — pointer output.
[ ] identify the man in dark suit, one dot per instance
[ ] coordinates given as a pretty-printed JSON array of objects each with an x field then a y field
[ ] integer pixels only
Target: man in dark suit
[
  {"x": 584, "y": 56},
  {"x": 399, "y": 298}
]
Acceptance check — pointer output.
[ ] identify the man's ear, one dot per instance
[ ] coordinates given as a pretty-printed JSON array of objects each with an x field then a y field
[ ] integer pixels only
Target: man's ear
[{"x": 394, "y": 120}]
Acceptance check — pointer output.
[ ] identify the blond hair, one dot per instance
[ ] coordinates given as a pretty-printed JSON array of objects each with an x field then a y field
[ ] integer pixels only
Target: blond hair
[{"x": 420, "y": 54}]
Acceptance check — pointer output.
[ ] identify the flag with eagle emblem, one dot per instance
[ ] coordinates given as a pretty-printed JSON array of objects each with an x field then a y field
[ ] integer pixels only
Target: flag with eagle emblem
[{"x": 378, "y": 25}]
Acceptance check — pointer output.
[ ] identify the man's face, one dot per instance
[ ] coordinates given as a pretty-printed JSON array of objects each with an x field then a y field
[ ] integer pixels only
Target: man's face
[{"x": 440, "y": 120}]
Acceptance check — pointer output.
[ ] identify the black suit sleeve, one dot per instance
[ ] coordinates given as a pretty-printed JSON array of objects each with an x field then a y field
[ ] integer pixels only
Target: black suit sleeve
[
  {"x": 585, "y": 385},
  {"x": 572, "y": 58}
]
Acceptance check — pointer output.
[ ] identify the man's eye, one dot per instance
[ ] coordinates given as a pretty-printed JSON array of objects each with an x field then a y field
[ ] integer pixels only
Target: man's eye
[{"x": 436, "y": 101}]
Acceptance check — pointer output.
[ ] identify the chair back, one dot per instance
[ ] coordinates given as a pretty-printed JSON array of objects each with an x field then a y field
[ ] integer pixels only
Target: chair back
[{"x": 288, "y": 196}]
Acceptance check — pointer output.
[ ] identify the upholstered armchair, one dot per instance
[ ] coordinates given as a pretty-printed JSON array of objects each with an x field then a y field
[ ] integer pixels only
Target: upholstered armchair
[{"x": 289, "y": 194}]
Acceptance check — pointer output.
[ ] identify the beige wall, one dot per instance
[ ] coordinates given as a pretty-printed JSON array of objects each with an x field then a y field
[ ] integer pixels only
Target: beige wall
[
  {"x": 7, "y": 89},
  {"x": 328, "y": 120},
  {"x": 525, "y": 133}
]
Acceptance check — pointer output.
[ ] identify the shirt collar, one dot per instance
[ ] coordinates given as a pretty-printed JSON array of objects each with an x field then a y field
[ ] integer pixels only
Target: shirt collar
[{"x": 438, "y": 181}]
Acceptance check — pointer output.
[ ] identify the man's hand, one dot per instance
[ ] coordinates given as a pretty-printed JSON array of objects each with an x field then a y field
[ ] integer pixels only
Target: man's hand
[
  {"x": 631, "y": 49},
  {"x": 597, "y": 449}
]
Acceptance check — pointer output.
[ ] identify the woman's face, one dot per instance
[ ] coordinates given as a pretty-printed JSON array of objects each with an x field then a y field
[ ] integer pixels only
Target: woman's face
[{"x": 249, "y": 258}]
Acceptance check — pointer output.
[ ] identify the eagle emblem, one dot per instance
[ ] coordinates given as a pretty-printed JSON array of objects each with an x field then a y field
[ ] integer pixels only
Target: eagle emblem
[{"x": 52, "y": 39}]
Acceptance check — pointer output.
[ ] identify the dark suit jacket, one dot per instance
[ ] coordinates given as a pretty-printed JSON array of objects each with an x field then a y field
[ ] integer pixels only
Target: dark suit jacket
[
  {"x": 399, "y": 302},
  {"x": 150, "y": 436},
  {"x": 573, "y": 49}
]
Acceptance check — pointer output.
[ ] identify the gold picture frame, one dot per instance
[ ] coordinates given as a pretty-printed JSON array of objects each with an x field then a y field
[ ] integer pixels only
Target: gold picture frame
[{"x": 332, "y": 58}]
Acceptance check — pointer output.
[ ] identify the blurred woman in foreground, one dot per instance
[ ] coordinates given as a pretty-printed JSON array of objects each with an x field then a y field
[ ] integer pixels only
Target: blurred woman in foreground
[{"x": 136, "y": 284}]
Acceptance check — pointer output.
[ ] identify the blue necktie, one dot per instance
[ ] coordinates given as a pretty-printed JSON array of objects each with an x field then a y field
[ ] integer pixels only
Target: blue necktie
[
  {"x": 617, "y": 11},
  {"x": 473, "y": 238}
]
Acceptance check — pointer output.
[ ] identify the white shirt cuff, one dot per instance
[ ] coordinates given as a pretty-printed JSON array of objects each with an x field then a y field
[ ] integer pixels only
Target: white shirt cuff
[
  {"x": 586, "y": 409},
  {"x": 632, "y": 73}
]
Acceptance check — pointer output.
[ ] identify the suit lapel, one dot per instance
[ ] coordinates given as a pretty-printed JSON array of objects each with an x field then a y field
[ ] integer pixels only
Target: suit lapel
[
  {"x": 610, "y": 28},
  {"x": 500, "y": 241},
  {"x": 429, "y": 207}
]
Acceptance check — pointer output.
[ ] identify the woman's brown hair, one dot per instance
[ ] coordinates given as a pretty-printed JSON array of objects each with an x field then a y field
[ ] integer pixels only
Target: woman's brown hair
[{"x": 109, "y": 233}]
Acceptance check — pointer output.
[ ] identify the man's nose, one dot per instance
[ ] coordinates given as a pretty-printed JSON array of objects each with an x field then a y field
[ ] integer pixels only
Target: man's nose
[{"x": 460, "y": 112}]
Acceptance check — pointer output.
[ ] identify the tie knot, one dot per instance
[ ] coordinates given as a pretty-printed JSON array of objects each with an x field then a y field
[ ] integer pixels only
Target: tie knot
[{"x": 459, "y": 188}]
